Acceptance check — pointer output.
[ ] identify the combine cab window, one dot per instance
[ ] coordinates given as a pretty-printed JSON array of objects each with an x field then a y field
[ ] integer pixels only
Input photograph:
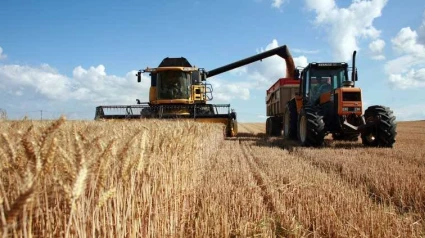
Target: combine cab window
[{"x": 173, "y": 85}]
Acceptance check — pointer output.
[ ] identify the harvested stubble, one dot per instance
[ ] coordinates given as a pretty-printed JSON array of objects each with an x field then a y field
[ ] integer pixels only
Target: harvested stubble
[{"x": 182, "y": 179}]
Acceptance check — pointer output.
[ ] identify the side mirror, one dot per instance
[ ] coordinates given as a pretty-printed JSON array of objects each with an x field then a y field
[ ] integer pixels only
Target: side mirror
[
  {"x": 297, "y": 73},
  {"x": 139, "y": 76},
  {"x": 195, "y": 77},
  {"x": 153, "y": 79}
]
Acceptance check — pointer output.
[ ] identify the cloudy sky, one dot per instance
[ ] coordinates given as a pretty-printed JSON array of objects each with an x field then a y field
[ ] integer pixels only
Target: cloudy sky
[{"x": 67, "y": 57}]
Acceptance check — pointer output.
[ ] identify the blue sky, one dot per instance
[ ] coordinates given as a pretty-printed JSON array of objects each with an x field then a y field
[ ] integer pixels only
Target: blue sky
[{"x": 66, "y": 57}]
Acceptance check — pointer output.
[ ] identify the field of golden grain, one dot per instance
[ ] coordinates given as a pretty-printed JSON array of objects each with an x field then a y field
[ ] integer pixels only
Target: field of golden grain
[{"x": 183, "y": 179}]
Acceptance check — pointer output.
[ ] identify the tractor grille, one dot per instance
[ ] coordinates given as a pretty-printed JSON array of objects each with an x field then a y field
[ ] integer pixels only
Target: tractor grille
[{"x": 351, "y": 96}]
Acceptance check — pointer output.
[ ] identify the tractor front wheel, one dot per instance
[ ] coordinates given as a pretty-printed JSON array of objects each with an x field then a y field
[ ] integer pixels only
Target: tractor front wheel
[
  {"x": 384, "y": 132},
  {"x": 311, "y": 128},
  {"x": 232, "y": 128}
]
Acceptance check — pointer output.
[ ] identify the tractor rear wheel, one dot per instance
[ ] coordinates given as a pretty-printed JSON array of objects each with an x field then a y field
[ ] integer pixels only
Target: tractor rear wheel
[
  {"x": 311, "y": 127},
  {"x": 384, "y": 132},
  {"x": 290, "y": 121}
]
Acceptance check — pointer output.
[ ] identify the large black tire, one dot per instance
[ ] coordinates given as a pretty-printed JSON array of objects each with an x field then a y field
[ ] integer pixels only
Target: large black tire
[
  {"x": 232, "y": 128},
  {"x": 274, "y": 126},
  {"x": 268, "y": 126},
  {"x": 384, "y": 132},
  {"x": 311, "y": 127},
  {"x": 290, "y": 121},
  {"x": 345, "y": 137}
]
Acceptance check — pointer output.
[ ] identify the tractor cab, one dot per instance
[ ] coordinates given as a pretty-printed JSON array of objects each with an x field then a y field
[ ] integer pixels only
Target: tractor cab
[{"x": 320, "y": 79}]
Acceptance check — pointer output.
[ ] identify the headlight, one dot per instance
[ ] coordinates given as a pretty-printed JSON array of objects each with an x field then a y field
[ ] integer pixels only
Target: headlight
[{"x": 351, "y": 109}]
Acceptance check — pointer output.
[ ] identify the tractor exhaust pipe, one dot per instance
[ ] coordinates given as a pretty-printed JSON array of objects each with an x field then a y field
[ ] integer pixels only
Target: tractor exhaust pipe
[
  {"x": 354, "y": 73},
  {"x": 139, "y": 76}
]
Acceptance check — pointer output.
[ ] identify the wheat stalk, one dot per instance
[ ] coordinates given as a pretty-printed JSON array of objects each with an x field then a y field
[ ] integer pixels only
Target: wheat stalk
[
  {"x": 21, "y": 201},
  {"x": 11, "y": 150},
  {"x": 142, "y": 152},
  {"x": 52, "y": 128},
  {"x": 124, "y": 156},
  {"x": 50, "y": 155},
  {"x": 105, "y": 197},
  {"x": 80, "y": 181},
  {"x": 28, "y": 146}
]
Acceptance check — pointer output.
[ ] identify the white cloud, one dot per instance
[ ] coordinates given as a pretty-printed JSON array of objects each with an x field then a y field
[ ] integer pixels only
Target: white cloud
[
  {"x": 304, "y": 51},
  {"x": 406, "y": 42},
  {"x": 413, "y": 78},
  {"x": 376, "y": 47},
  {"x": 407, "y": 70},
  {"x": 239, "y": 71},
  {"x": 225, "y": 92},
  {"x": 277, "y": 3},
  {"x": 2, "y": 56},
  {"x": 270, "y": 69},
  {"x": 402, "y": 64},
  {"x": 347, "y": 25},
  {"x": 410, "y": 112},
  {"x": 92, "y": 84}
]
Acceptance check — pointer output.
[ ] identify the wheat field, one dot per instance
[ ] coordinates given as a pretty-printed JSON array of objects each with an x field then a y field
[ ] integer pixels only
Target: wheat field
[{"x": 184, "y": 179}]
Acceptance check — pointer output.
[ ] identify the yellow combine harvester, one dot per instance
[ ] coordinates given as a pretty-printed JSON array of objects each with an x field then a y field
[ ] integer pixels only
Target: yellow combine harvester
[{"x": 178, "y": 91}]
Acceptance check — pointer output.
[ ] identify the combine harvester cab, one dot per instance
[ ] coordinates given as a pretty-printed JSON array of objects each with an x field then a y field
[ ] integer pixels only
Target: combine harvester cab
[{"x": 178, "y": 91}]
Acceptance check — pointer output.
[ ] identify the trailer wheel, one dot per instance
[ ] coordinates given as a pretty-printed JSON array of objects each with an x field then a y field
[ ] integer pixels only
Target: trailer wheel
[
  {"x": 290, "y": 121},
  {"x": 268, "y": 126},
  {"x": 274, "y": 126},
  {"x": 384, "y": 132},
  {"x": 311, "y": 127}
]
